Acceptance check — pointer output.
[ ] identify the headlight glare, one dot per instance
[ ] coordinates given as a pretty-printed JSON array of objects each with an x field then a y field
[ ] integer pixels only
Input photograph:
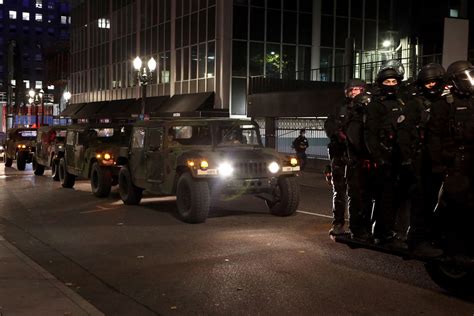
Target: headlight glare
[
  {"x": 107, "y": 156},
  {"x": 274, "y": 167},
  {"x": 98, "y": 156},
  {"x": 293, "y": 161},
  {"x": 204, "y": 164},
  {"x": 225, "y": 169}
]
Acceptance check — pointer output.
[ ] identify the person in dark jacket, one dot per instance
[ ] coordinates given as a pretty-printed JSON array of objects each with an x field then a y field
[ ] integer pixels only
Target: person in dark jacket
[
  {"x": 384, "y": 114},
  {"x": 300, "y": 144},
  {"x": 337, "y": 150}
]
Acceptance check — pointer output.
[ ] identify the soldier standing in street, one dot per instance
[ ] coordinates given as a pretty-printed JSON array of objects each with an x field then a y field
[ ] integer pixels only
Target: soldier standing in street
[
  {"x": 337, "y": 150},
  {"x": 300, "y": 144},
  {"x": 451, "y": 146},
  {"x": 384, "y": 113},
  {"x": 420, "y": 183}
]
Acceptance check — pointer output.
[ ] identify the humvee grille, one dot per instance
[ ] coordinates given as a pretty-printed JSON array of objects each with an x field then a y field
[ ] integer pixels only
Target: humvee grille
[{"x": 250, "y": 169}]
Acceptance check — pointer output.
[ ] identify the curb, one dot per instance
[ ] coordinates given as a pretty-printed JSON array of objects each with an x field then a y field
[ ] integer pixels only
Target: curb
[{"x": 70, "y": 294}]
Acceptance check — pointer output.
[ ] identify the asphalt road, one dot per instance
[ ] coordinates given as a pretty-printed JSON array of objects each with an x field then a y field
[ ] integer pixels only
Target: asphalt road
[{"x": 143, "y": 260}]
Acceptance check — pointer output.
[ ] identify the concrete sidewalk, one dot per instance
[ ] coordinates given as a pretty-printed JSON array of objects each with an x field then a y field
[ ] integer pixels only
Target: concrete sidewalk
[{"x": 28, "y": 289}]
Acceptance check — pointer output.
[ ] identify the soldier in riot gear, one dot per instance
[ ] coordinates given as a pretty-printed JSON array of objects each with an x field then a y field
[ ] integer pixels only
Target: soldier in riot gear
[
  {"x": 359, "y": 170},
  {"x": 419, "y": 182},
  {"x": 384, "y": 114},
  {"x": 451, "y": 146},
  {"x": 335, "y": 130}
]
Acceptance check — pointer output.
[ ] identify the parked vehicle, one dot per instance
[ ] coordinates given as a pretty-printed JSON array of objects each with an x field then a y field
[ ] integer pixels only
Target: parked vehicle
[
  {"x": 20, "y": 146},
  {"x": 93, "y": 151},
  {"x": 195, "y": 159},
  {"x": 50, "y": 143}
]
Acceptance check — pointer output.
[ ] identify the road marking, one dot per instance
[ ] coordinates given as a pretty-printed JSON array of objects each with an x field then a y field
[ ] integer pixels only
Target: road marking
[
  {"x": 314, "y": 214},
  {"x": 102, "y": 209}
]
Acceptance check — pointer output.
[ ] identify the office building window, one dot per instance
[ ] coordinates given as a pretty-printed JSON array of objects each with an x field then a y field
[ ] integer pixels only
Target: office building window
[
  {"x": 12, "y": 15},
  {"x": 38, "y": 17},
  {"x": 63, "y": 19},
  {"x": 38, "y": 84},
  {"x": 39, "y": 4},
  {"x": 26, "y": 83},
  {"x": 26, "y": 16},
  {"x": 102, "y": 23}
]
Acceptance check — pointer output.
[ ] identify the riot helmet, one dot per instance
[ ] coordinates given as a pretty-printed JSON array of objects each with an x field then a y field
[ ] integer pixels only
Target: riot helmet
[
  {"x": 352, "y": 85},
  {"x": 391, "y": 69},
  {"x": 430, "y": 79},
  {"x": 460, "y": 75}
]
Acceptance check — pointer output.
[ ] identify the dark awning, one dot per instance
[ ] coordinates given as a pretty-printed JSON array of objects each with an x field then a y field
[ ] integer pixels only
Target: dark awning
[
  {"x": 90, "y": 110},
  {"x": 185, "y": 103},
  {"x": 72, "y": 109}
]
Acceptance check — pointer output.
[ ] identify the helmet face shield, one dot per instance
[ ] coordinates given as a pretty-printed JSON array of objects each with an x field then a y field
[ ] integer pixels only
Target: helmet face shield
[{"x": 464, "y": 81}]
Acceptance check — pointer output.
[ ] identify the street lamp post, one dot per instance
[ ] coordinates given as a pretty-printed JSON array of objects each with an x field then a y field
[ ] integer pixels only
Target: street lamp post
[
  {"x": 36, "y": 100},
  {"x": 144, "y": 76}
]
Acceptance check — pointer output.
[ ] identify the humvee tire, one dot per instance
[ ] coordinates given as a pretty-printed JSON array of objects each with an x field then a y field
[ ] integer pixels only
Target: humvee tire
[
  {"x": 55, "y": 170},
  {"x": 8, "y": 162},
  {"x": 192, "y": 199},
  {"x": 101, "y": 180},
  {"x": 38, "y": 169},
  {"x": 67, "y": 179},
  {"x": 286, "y": 196},
  {"x": 453, "y": 279},
  {"x": 129, "y": 193},
  {"x": 21, "y": 161}
]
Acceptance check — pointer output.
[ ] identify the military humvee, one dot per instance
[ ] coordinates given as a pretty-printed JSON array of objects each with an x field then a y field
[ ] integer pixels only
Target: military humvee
[
  {"x": 93, "y": 151},
  {"x": 196, "y": 158},
  {"x": 20, "y": 146},
  {"x": 49, "y": 149}
]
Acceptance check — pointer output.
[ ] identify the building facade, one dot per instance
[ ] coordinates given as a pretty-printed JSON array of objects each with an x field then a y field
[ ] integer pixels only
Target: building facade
[
  {"x": 216, "y": 45},
  {"x": 28, "y": 29}
]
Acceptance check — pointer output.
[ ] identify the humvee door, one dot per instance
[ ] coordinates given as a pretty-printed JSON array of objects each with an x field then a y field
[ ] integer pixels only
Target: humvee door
[{"x": 154, "y": 155}]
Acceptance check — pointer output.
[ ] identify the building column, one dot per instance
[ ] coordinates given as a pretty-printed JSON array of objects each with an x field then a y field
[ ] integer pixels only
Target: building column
[
  {"x": 172, "y": 65},
  {"x": 316, "y": 41},
  {"x": 223, "y": 53}
]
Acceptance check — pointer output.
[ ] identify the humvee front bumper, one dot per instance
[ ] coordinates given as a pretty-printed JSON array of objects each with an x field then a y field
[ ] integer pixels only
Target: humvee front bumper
[{"x": 245, "y": 186}]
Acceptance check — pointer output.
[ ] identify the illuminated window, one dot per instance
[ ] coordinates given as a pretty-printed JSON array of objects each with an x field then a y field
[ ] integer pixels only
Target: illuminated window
[
  {"x": 453, "y": 13},
  {"x": 104, "y": 23},
  {"x": 39, "y": 17},
  {"x": 13, "y": 82},
  {"x": 39, "y": 85},
  {"x": 12, "y": 15},
  {"x": 63, "y": 19},
  {"x": 26, "y": 16},
  {"x": 39, "y": 4},
  {"x": 27, "y": 84}
]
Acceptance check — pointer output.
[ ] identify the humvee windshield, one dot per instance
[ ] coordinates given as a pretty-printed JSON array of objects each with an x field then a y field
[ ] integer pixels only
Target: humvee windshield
[
  {"x": 189, "y": 135},
  {"x": 117, "y": 135},
  {"x": 61, "y": 135},
  {"x": 25, "y": 135},
  {"x": 238, "y": 134}
]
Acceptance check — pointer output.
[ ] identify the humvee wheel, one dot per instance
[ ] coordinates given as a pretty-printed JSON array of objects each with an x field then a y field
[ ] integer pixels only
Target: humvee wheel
[
  {"x": 193, "y": 199},
  {"x": 39, "y": 169},
  {"x": 67, "y": 179},
  {"x": 101, "y": 179},
  {"x": 21, "y": 161},
  {"x": 129, "y": 193},
  {"x": 451, "y": 278},
  {"x": 8, "y": 162},
  {"x": 286, "y": 197},
  {"x": 55, "y": 170}
]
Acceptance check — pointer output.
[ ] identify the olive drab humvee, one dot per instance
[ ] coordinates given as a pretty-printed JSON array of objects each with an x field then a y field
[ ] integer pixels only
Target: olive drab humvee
[
  {"x": 20, "y": 146},
  {"x": 49, "y": 150},
  {"x": 195, "y": 159},
  {"x": 93, "y": 151}
]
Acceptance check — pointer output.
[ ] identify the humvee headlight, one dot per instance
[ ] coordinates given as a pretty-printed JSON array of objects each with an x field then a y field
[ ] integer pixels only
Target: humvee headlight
[
  {"x": 274, "y": 167},
  {"x": 293, "y": 161},
  {"x": 98, "y": 156},
  {"x": 22, "y": 146},
  {"x": 225, "y": 169},
  {"x": 204, "y": 164},
  {"x": 107, "y": 156},
  {"x": 191, "y": 163}
]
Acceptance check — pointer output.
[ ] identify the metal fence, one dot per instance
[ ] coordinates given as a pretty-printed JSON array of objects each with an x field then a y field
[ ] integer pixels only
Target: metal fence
[{"x": 287, "y": 129}]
